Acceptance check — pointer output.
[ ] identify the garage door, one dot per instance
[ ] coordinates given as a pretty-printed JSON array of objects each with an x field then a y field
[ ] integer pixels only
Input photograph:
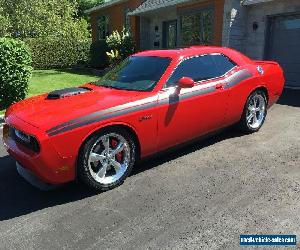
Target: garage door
[{"x": 284, "y": 46}]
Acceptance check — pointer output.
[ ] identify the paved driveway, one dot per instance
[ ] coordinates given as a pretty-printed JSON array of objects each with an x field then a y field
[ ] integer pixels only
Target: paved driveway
[{"x": 201, "y": 196}]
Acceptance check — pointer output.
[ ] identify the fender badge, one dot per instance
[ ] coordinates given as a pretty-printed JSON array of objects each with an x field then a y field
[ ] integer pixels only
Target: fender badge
[
  {"x": 260, "y": 70},
  {"x": 145, "y": 118}
]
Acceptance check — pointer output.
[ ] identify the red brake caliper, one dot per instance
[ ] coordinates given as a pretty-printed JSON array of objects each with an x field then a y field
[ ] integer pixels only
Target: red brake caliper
[{"x": 114, "y": 144}]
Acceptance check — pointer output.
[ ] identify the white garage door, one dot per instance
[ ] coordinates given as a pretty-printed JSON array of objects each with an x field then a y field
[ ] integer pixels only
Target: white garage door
[{"x": 284, "y": 46}]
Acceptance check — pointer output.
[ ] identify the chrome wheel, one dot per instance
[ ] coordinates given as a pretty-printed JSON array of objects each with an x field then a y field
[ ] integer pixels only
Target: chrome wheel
[
  {"x": 109, "y": 158},
  {"x": 256, "y": 111}
]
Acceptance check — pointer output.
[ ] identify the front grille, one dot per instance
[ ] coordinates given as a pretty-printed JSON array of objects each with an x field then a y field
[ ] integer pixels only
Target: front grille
[{"x": 28, "y": 141}]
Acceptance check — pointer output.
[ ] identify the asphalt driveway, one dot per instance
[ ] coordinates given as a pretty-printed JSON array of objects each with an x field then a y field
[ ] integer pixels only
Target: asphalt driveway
[{"x": 201, "y": 196}]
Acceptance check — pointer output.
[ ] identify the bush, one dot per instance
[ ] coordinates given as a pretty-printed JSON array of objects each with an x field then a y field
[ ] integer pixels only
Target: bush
[
  {"x": 120, "y": 44},
  {"x": 98, "y": 55},
  {"x": 48, "y": 52},
  {"x": 15, "y": 61}
]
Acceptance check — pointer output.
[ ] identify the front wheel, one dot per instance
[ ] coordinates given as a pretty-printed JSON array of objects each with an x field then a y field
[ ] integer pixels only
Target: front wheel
[
  {"x": 255, "y": 112},
  {"x": 106, "y": 159}
]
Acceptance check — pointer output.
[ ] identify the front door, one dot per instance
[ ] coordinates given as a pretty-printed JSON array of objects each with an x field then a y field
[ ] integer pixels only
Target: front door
[
  {"x": 194, "y": 111},
  {"x": 170, "y": 34}
]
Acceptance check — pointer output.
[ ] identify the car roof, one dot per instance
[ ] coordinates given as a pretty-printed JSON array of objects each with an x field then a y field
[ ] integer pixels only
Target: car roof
[{"x": 196, "y": 50}]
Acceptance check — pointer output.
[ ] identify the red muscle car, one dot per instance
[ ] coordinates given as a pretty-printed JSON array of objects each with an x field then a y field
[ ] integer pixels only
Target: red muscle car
[{"x": 150, "y": 102}]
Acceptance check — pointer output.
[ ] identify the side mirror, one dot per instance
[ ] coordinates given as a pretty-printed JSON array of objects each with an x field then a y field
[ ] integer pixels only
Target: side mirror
[{"x": 186, "y": 82}]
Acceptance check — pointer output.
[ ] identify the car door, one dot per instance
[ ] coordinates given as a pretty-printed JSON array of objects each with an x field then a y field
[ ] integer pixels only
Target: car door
[{"x": 192, "y": 112}]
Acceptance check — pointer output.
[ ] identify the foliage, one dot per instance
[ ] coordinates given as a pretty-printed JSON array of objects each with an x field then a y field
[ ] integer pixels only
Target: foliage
[
  {"x": 48, "y": 52},
  {"x": 122, "y": 42},
  {"x": 5, "y": 24},
  {"x": 52, "y": 29},
  {"x": 98, "y": 54},
  {"x": 43, "y": 18},
  {"x": 114, "y": 56},
  {"x": 84, "y": 5},
  {"x": 15, "y": 60}
]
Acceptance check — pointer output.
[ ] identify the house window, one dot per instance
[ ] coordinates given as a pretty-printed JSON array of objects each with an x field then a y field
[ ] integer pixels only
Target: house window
[
  {"x": 103, "y": 27},
  {"x": 197, "y": 27},
  {"x": 127, "y": 18}
]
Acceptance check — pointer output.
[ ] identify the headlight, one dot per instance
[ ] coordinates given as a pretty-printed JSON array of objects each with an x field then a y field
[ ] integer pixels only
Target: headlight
[{"x": 25, "y": 139}]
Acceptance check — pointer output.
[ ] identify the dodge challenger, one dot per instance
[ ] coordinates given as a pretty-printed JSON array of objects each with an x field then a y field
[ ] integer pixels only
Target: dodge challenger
[{"x": 150, "y": 102}]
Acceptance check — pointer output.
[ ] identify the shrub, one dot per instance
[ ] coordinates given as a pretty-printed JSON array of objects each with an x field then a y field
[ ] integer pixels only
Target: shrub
[
  {"x": 120, "y": 43},
  {"x": 15, "y": 61},
  {"x": 98, "y": 55},
  {"x": 48, "y": 52}
]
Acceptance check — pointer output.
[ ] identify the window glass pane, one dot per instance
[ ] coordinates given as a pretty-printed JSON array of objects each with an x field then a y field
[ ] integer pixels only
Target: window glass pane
[
  {"x": 190, "y": 29},
  {"x": 197, "y": 28},
  {"x": 223, "y": 63},
  {"x": 207, "y": 26},
  {"x": 102, "y": 27},
  {"x": 198, "y": 68},
  {"x": 139, "y": 73}
]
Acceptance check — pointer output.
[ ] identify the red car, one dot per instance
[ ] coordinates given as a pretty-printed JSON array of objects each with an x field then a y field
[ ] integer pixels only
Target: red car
[{"x": 152, "y": 101}]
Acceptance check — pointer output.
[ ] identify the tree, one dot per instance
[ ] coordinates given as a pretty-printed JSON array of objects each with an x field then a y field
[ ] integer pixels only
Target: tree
[
  {"x": 84, "y": 5},
  {"x": 44, "y": 18},
  {"x": 5, "y": 24}
]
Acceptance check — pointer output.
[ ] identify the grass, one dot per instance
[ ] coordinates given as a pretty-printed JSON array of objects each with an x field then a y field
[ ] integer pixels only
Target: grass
[{"x": 43, "y": 81}]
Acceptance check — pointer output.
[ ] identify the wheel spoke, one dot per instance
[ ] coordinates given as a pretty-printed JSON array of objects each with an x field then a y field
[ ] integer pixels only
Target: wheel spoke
[
  {"x": 96, "y": 157},
  {"x": 254, "y": 118},
  {"x": 249, "y": 117},
  {"x": 105, "y": 142},
  {"x": 116, "y": 165},
  {"x": 118, "y": 149},
  {"x": 102, "y": 171},
  {"x": 255, "y": 102}
]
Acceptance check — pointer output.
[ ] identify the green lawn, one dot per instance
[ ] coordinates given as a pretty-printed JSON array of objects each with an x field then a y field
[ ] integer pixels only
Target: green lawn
[
  {"x": 47, "y": 80},
  {"x": 43, "y": 81}
]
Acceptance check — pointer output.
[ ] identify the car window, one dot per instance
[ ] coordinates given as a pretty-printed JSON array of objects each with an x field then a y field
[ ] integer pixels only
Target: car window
[
  {"x": 137, "y": 73},
  {"x": 223, "y": 63},
  {"x": 198, "y": 68},
  {"x": 201, "y": 68}
]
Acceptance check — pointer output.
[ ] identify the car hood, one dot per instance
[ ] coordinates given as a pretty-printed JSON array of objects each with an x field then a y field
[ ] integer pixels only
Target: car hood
[{"x": 46, "y": 113}]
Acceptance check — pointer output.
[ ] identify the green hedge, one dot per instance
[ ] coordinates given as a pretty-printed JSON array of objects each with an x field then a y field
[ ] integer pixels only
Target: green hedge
[
  {"x": 98, "y": 55},
  {"x": 15, "y": 71},
  {"x": 48, "y": 52}
]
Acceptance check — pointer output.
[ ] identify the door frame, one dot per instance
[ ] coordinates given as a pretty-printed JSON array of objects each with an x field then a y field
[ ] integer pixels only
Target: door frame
[{"x": 165, "y": 34}]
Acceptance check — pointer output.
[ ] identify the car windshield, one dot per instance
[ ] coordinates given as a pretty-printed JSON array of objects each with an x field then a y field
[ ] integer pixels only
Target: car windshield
[{"x": 136, "y": 73}]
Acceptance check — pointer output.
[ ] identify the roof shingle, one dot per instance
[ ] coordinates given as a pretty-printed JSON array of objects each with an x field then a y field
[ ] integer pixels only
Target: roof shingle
[{"x": 150, "y": 5}]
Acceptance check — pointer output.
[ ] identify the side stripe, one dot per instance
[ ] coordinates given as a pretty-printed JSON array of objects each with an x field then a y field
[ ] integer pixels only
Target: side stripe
[
  {"x": 237, "y": 77},
  {"x": 147, "y": 103},
  {"x": 103, "y": 112}
]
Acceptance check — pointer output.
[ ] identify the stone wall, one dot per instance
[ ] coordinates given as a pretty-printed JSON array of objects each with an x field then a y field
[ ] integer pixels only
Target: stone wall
[
  {"x": 238, "y": 32},
  {"x": 259, "y": 13}
]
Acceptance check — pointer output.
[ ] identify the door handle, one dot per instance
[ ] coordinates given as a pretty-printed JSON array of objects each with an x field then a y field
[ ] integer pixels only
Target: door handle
[{"x": 219, "y": 86}]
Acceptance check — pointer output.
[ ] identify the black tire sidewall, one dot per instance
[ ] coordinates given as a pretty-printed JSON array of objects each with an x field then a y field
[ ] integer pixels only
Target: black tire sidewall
[{"x": 83, "y": 172}]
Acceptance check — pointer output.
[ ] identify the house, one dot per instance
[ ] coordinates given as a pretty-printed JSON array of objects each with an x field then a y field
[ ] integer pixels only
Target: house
[{"x": 262, "y": 29}]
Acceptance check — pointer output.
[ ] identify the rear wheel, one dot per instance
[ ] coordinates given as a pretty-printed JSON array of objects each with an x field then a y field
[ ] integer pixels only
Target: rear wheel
[
  {"x": 255, "y": 112},
  {"x": 106, "y": 159}
]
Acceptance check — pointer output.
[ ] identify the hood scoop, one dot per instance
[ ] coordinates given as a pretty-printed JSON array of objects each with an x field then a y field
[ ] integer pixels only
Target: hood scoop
[{"x": 68, "y": 92}]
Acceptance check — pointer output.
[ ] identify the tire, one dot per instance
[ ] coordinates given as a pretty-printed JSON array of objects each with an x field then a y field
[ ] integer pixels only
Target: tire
[
  {"x": 104, "y": 163},
  {"x": 254, "y": 113}
]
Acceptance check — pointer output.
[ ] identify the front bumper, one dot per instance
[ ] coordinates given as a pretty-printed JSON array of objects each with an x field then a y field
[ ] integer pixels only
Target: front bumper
[
  {"x": 34, "y": 180},
  {"x": 47, "y": 165}
]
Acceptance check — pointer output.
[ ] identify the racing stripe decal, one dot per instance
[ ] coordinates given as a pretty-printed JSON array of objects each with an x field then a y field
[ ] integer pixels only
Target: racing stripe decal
[
  {"x": 103, "y": 112},
  {"x": 237, "y": 77},
  {"x": 146, "y": 103},
  {"x": 102, "y": 118}
]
